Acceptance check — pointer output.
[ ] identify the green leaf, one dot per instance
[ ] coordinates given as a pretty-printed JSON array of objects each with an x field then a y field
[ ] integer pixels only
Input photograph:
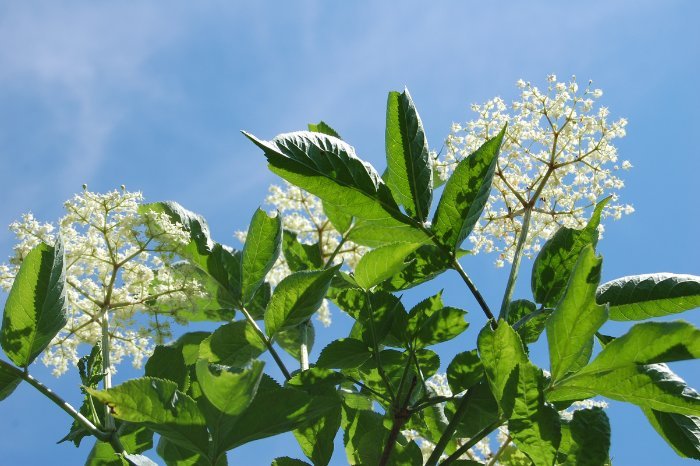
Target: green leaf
[
  {"x": 296, "y": 298},
  {"x": 324, "y": 128},
  {"x": 464, "y": 371},
  {"x": 586, "y": 438},
  {"x": 501, "y": 352},
  {"x": 339, "y": 219},
  {"x": 287, "y": 461},
  {"x": 35, "y": 308},
  {"x": 382, "y": 263},
  {"x": 328, "y": 168},
  {"x": 573, "y": 323},
  {"x": 234, "y": 344},
  {"x": 648, "y": 343},
  {"x": 301, "y": 256},
  {"x": 534, "y": 424},
  {"x": 384, "y": 310},
  {"x": 219, "y": 272},
  {"x": 189, "y": 344},
  {"x": 8, "y": 382},
  {"x": 376, "y": 233},
  {"x": 201, "y": 243},
  {"x": 425, "y": 263},
  {"x": 261, "y": 249},
  {"x": 158, "y": 405},
  {"x": 134, "y": 438},
  {"x": 442, "y": 325},
  {"x": 466, "y": 193},
  {"x": 648, "y": 386},
  {"x": 229, "y": 392},
  {"x": 316, "y": 439},
  {"x": 174, "y": 455},
  {"x": 167, "y": 362},
  {"x": 531, "y": 329},
  {"x": 290, "y": 339},
  {"x": 102, "y": 454},
  {"x": 640, "y": 297},
  {"x": 344, "y": 353},
  {"x": 555, "y": 262},
  {"x": 482, "y": 410},
  {"x": 681, "y": 432},
  {"x": 409, "y": 172},
  {"x": 274, "y": 410}
]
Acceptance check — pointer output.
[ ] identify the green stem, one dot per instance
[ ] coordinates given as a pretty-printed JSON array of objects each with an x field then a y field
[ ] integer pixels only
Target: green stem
[
  {"x": 267, "y": 342},
  {"x": 450, "y": 429},
  {"x": 375, "y": 352},
  {"x": 60, "y": 402},
  {"x": 109, "y": 423},
  {"x": 515, "y": 267},
  {"x": 500, "y": 451},
  {"x": 479, "y": 298},
  {"x": 471, "y": 442}
]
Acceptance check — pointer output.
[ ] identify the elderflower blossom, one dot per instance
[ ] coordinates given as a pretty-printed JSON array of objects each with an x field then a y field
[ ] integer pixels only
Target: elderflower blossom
[
  {"x": 302, "y": 214},
  {"x": 118, "y": 265},
  {"x": 557, "y": 155}
]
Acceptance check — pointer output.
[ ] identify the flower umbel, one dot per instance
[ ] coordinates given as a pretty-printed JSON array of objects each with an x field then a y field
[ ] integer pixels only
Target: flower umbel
[
  {"x": 118, "y": 265},
  {"x": 557, "y": 159}
]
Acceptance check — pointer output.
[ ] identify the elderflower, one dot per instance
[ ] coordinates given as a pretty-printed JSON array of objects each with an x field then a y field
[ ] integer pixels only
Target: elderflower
[
  {"x": 118, "y": 266},
  {"x": 557, "y": 157},
  {"x": 303, "y": 215}
]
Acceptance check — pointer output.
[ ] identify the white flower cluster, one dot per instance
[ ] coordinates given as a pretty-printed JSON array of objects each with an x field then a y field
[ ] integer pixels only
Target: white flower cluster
[
  {"x": 302, "y": 214},
  {"x": 557, "y": 157},
  {"x": 482, "y": 452},
  {"x": 117, "y": 267}
]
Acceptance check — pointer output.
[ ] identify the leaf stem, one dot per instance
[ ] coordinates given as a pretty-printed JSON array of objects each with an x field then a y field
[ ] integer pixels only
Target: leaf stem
[
  {"x": 375, "y": 348},
  {"x": 515, "y": 267},
  {"x": 401, "y": 416},
  {"x": 60, "y": 402},
  {"x": 267, "y": 342},
  {"x": 479, "y": 298},
  {"x": 471, "y": 442},
  {"x": 450, "y": 429},
  {"x": 500, "y": 451}
]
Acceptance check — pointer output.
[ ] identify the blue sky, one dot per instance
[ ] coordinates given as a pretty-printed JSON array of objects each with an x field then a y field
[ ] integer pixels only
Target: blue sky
[{"x": 153, "y": 95}]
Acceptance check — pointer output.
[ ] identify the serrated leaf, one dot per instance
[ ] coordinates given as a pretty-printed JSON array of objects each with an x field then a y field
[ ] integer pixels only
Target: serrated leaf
[
  {"x": 344, "y": 353},
  {"x": 158, "y": 405},
  {"x": 189, "y": 344},
  {"x": 234, "y": 344},
  {"x": 290, "y": 339},
  {"x": 328, "y": 168},
  {"x": 425, "y": 263},
  {"x": 35, "y": 308},
  {"x": 300, "y": 256},
  {"x": 648, "y": 343},
  {"x": 324, "y": 128},
  {"x": 532, "y": 327},
  {"x": 534, "y": 424},
  {"x": 174, "y": 455},
  {"x": 261, "y": 249},
  {"x": 274, "y": 410},
  {"x": 466, "y": 193},
  {"x": 649, "y": 386},
  {"x": 382, "y": 263},
  {"x": 316, "y": 439},
  {"x": 557, "y": 258},
  {"x": 570, "y": 328},
  {"x": 482, "y": 410},
  {"x": 409, "y": 172},
  {"x": 296, "y": 298},
  {"x": 229, "y": 392},
  {"x": 384, "y": 310},
  {"x": 168, "y": 363},
  {"x": 287, "y": 461},
  {"x": 339, "y": 219},
  {"x": 586, "y": 438},
  {"x": 8, "y": 382},
  {"x": 377, "y": 233},
  {"x": 501, "y": 352},
  {"x": 464, "y": 371},
  {"x": 682, "y": 433},
  {"x": 442, "y": 325},
  {"x": 134, "y": 438},
  {"x": 640, "y": 297}
]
